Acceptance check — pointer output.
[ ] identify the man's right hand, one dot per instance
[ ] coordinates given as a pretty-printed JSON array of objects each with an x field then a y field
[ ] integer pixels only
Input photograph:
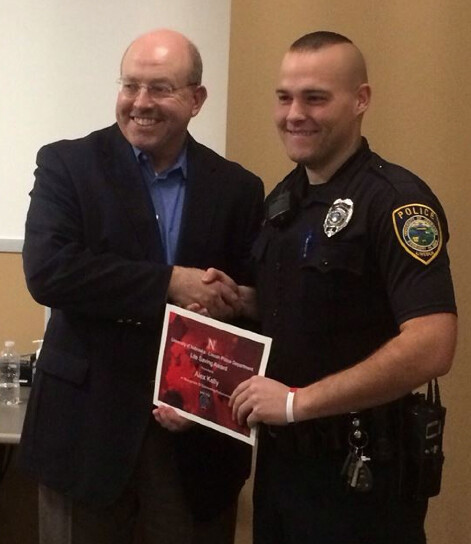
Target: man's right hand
[
  {"x": 247, "y": 305},
  {"x": 220, "y": 297}
]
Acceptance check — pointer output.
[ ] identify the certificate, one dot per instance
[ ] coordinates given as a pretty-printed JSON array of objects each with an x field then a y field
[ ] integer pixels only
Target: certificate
[{"x": 201, "y": 362}]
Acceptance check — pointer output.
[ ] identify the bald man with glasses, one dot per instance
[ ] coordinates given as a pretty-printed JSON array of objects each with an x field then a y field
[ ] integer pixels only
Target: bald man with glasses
[{"x": 121, "y": 222}]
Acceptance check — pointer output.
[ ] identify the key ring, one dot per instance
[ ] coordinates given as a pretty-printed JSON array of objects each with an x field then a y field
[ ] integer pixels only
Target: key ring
[{"x": 358, "y": 439}]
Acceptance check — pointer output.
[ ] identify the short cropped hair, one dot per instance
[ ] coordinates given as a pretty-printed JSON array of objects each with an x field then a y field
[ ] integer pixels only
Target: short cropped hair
[
  {"x": 317, "y": 40},
  {"x": 314, "y": 41}
]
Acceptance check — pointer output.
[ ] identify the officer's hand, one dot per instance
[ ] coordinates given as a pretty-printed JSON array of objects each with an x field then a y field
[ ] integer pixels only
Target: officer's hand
[
  {"x": 246, "y": 304},
  {"x": 171, "y": 420},
  {"x": 259, "y": 400},
  {"x": 195, "y": 307},
  {"x": 219, "y": 297}
]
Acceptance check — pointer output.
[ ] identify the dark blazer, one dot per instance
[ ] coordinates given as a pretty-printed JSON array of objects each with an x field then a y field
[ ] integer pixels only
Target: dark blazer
[{"x": 93, "y": 254}]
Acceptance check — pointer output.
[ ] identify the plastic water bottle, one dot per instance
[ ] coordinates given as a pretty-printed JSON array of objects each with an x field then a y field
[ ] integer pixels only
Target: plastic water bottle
[{"x": 9, "y": 375}]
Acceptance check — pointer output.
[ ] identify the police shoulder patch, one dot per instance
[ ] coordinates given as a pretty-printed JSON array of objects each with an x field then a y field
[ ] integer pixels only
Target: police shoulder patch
[{"x": 418, "y": 230}]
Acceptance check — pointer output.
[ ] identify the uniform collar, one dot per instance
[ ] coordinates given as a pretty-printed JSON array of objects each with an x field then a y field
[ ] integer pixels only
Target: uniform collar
[{"x": 339, "y": 181}]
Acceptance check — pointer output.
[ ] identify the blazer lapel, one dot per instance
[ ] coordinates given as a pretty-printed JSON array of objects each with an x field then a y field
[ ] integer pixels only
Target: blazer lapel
[
  {"x": 201, "y": 197},
  {"x": 123, "y": 173}
]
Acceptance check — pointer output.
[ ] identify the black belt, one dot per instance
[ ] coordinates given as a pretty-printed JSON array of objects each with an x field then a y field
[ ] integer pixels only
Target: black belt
[
  {"x": 318, "y": 437},
  {"x": 312, "y": 439}
]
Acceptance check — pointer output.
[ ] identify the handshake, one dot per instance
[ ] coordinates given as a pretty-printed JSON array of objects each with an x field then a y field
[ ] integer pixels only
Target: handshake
[{"x": 211, "y": 292}]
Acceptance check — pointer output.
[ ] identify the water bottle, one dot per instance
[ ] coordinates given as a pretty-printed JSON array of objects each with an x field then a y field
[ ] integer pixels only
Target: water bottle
[{"x": 9, "y": 375}]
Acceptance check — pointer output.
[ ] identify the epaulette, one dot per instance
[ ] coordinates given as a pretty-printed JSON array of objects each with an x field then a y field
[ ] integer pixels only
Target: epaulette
[{"x": 396, "y": 176}]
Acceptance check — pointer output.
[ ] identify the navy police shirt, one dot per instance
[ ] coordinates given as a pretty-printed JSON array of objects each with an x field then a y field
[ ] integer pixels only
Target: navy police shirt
[{"x": 360, "y": 255}]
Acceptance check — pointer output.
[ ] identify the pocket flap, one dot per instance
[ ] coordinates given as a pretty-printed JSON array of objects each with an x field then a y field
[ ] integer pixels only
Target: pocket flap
[
  {"x": 63, "y": 365},
  {"x": 338, "y": 256}
]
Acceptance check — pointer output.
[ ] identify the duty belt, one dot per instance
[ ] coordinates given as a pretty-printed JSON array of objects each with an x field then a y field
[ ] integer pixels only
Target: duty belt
[
  {"x": 318, "y": 437},
  {"x": 311, "y": 439}
]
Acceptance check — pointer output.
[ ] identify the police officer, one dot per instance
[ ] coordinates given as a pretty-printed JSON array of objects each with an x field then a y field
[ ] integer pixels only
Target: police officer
[{"x": 354, "y": 287}]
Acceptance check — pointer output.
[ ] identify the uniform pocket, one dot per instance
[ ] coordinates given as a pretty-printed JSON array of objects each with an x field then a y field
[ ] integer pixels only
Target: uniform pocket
[
  {"x": 333, "y": 286},
  {"x": 338, "y": 257}
]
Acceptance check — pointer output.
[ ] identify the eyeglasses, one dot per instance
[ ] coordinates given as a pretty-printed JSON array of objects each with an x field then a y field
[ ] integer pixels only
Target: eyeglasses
[{"x": 156, "y": 91}]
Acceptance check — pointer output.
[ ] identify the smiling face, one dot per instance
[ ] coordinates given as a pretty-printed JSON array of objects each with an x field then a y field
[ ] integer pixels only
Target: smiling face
[
  {"x": 320, "y": 102},
  {"x": 158, "y": 125}
]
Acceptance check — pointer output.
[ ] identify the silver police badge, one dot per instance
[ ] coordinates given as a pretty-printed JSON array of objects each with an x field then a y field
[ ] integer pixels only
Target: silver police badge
[{"x": 338, "y": 216}]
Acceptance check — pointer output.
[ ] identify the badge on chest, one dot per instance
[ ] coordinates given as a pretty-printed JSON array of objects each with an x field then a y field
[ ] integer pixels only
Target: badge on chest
[{"x": 338, "y": 216}]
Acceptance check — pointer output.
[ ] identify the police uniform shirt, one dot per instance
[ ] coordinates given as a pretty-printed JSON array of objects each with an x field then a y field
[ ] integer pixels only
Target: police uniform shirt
[{"x": 329, "y": 301}]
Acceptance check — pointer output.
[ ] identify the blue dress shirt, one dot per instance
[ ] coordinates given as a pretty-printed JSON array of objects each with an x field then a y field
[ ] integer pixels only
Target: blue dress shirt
[{"x": 167, "y": 191}]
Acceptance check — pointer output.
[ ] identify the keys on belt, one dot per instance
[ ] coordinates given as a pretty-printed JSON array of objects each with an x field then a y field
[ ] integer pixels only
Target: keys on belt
[{"x": 355, "y": 470}]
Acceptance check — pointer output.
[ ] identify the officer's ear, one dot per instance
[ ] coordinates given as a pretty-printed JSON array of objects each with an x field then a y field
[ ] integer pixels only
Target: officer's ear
[{"x": 363, "y": 98}]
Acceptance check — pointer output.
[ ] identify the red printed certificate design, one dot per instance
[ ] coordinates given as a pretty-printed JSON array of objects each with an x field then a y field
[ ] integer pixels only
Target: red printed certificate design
[{"x": 201, "y": 362}]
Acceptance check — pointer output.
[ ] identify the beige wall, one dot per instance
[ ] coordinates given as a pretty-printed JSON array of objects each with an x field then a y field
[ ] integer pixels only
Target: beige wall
[
  {"x": 418, "y": 57},
  {"x": 21, "y": 319}
]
